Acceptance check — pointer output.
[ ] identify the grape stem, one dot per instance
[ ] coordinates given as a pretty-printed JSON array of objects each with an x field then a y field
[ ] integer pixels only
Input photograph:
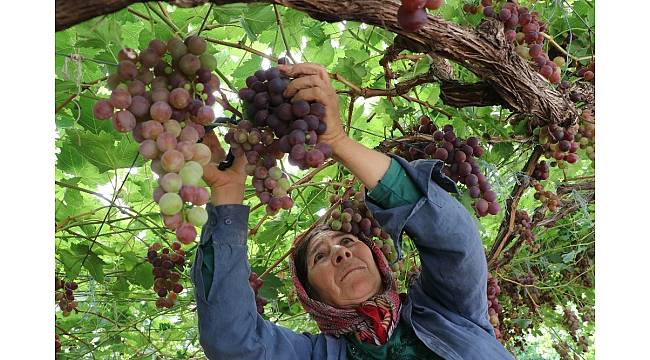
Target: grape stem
[{"x": 284, "y": 39}]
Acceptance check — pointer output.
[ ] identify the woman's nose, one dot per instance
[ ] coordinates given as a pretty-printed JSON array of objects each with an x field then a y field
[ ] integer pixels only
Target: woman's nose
[{"x": 341, "y": 252}]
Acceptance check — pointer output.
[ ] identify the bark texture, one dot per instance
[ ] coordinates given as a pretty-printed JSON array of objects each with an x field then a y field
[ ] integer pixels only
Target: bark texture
[{"x": 484, "y": 50}]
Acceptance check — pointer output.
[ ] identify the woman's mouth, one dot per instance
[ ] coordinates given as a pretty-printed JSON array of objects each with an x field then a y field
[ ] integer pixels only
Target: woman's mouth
[{"x": 348, "y": 272}]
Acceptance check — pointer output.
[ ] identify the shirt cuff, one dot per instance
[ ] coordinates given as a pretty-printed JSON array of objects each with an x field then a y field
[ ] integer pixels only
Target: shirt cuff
[
  {"x": 395, "y": 188},
  {"x": 229, "y": 221}
]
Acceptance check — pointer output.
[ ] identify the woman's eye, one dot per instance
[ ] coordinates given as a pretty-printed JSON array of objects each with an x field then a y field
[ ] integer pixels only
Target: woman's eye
[
  {"x": 346, "y": 240},
  {"x": 318, "y": 257}
]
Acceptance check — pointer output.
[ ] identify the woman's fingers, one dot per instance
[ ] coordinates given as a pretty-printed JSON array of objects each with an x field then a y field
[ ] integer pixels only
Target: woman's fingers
[
  {"x": 304, "y": 82},
  {"x": 310, "y": 94},
  {"x": 304, "y": 69}
]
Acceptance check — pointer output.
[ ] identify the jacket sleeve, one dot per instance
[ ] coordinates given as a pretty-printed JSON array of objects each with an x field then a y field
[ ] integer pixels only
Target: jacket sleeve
[
  {"x": 229, "y": 325},
  {"x": 454, "y": 269}
]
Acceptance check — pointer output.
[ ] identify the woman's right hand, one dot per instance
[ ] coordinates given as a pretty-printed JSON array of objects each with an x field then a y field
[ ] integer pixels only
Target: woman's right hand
[
  {"x": 312, "y": 83},
  {"x": 227, "y": 186}
]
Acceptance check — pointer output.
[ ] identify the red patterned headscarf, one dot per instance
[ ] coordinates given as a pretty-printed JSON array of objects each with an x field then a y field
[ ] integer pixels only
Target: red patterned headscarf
[{"x": 373, "y": 321}]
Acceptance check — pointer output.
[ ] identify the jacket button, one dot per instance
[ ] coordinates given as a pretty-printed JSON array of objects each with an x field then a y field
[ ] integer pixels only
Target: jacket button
[{"x": 228, "y": 221}]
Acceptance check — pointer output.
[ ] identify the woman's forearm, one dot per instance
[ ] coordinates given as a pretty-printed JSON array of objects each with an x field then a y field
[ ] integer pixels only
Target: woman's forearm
[
  {"x": 228, "y": 194},
  {"x": 366, "y": 164}
]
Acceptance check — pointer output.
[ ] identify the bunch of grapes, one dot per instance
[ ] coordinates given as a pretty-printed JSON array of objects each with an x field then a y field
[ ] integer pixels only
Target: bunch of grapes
[
  {"x": 528, "y": 279},
  {"x": 541, "y": 171},
  {"x": 460, "y": 162},
  {"x": 583, "y": 343},
  {"x": 586, "y": 135},
  {"x": 523, "y": 228},
  {"x": 412, "y": 275},
  {"x": 562, "y": 349},
  {"x": 494, "y": 308},
  {"x": 587, "y": 72},
  {"x": 57, "y": 343},
  {"x": 65, "y": 297},
  {"x": 270, "y": 182},
  {"x": 256, "y": 283},
  {"x": 164, "y": 95},
  {"x": 548, "y": 198},
  {"x": 353, "y": 217},
  {"x": 571, "y": 322},
  {"x": 525, "y": 29},
  {"x": 167, "y": 267},
  {"x": 275, "y": 126},
  {"x": 411, "y": 15},
  {"x": 559, "y": 144},
  {"x": 588, "y": 313}
]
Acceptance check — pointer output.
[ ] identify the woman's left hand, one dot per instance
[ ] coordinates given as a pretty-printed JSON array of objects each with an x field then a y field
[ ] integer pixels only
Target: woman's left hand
[{"x": 312, "y": 83}]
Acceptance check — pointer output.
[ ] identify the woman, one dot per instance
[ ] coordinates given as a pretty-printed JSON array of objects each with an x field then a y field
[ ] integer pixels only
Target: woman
[{"x": 342, "y": 282}]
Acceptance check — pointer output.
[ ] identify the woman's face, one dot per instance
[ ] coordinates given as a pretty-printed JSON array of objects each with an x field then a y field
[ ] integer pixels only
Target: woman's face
[{"x": 341, "y": 269}]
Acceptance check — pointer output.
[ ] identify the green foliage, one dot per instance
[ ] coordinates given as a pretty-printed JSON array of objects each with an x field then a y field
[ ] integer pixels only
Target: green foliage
[{"x": 106, "y": 253}]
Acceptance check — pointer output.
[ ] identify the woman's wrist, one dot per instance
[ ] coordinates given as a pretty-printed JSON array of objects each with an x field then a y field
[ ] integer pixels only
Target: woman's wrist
[{"x": 228, "y": 194}]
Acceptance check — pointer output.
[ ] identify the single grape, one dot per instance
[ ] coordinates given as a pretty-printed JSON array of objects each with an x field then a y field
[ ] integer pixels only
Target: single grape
[
  {"x": 148, "y": 149},
  {"x": 172, "y": 160},
  {"x": 127, "y": 70},
  {"x": 411, "y": 21},
  {"x": 186, "y": 233},
  {"x": 103, "y": 110},
  {"x": 170, "y": 203},
  {"x": 196, "y": 45},
  {"x": 123, "y": 121},
  {"x": 197, "y": 216}
]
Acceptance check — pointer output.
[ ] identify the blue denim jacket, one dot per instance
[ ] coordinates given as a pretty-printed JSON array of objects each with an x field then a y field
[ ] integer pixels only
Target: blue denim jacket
[{"x": 446, "y": 306}]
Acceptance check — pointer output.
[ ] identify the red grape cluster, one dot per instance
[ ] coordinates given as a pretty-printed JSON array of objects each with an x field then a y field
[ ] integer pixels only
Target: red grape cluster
[
  {"x": 525, "y": 29},
  {"x": 57, "y": 343},
  {"x": 164, "y": 96},
  {"x": 583, "y": 343},
  {"x": 528, "y": 279},
  {"x": 523, "y": 228},
  {"x": 460, "y": 162},
  {"x": 353, "y": 217},
  {"x": 276, "y": 126},
  {"x": 548, "y": 198},
  {"x": 587, "y": 72},
  {"x": 586, "y": 135},
  {"x": 411, "y": 15},
  {"x": 559, "y": 144},
  {"x": 65, "y": 296},
  {"x": 167, "y": 266},
  {"x": 494, "y": 308},
  {"x": 256, "y": 283},
  {"x": 541, "y": 171},
  {"x": 412, "y": 275},
  {"x": 571, "y": 322},
  {"x": 588, "y": 313},
  {"x": 563, "y": 349}
]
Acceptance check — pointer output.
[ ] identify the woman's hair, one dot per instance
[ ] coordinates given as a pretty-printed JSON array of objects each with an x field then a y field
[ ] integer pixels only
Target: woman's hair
[{"x": 300, "y": 259}]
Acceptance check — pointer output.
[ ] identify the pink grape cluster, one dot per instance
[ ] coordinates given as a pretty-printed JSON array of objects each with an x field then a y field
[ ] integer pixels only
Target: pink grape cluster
[
  {"x": 460, "y": 162},
  {"x": 256, "y": 284},
  {"x": 164, "y": 96},
  {"x": 167, "y": 266}
]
